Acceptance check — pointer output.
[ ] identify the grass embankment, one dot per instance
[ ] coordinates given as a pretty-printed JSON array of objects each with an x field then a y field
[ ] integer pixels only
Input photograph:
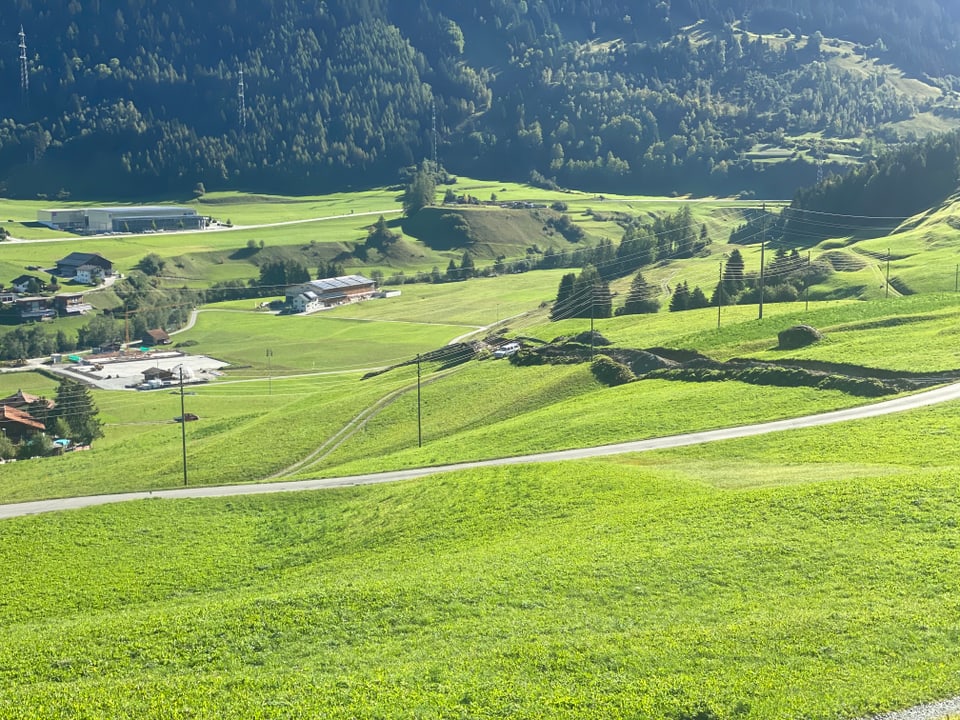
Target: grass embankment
[
  {"x": 914, "y": 334},
  {"x": 537, "y": 409},
  {"x": 246, "y": 432},
  {"x": 664, "y": 586},
  {"x": 485, "y": 409}
]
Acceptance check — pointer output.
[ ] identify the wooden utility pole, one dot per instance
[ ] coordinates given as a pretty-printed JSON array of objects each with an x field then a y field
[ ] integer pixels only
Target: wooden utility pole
[
  {"x": 183, "y": 428},
  {"x": 763, "y": 243},
  {"x": 269, "y": 372},
  {"x": 719, "y": 294},
  {"x": 887, "y": 292},
  {"x": 419, "y": 421}
]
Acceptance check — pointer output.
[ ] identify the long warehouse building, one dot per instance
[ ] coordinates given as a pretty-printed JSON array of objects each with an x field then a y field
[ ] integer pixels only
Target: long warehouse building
[{"x": 130, "y": 219}]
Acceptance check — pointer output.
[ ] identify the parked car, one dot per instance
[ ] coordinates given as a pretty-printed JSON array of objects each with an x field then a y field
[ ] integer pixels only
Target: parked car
[{"x": 507, "y": 350}]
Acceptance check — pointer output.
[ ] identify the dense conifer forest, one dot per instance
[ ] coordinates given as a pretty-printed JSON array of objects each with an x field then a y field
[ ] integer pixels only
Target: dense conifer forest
[{"x": 141, "y": 97}]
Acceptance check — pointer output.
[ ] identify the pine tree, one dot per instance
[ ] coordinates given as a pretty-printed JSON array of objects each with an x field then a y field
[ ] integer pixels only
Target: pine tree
[
  {"x": 562, "y": 305},
  {"x": 420, "y": 192},
  {"x": 467, "y": 268},
  {"x": 453, "y": 272},
  {"x": 602, "y": 300},
  {"x": 75, "y": 407},
  {"x": 641, "y": 298},
  {"x": 591, "y": 295},
  {"x": 697, "y": 299},
  {"x": 733, "y": 274},
  {"x": 681, "y": 298},
  {"x": 720, "y": 295}
]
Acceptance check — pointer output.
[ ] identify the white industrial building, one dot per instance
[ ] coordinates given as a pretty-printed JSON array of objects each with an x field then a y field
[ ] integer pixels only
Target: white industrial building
[
  {"x": 62, "y": 219},
  {"x": 128, "y": 219}
]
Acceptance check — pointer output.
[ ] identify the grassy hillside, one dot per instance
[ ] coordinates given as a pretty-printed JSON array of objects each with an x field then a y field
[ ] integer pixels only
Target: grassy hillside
[
  {"x": 807, "y": 574},
  {"x": 256, "y": 422},
  {"x": 314, "y": 229},
  {"x": 486, "y": 232},
  {"x": 709, "y": 582}
]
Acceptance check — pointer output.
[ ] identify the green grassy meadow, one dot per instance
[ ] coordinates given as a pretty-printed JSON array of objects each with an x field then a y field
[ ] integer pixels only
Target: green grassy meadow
[
  {"x": 662, "y": 586},
  {"x": 314, "y": 228},
  {"x": 805, "y": 574},
  {"x": 260, "y": 419},
  {"x": 318, "y": 342}
]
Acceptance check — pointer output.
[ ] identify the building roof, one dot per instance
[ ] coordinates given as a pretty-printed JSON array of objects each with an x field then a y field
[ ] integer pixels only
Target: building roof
[
  {"x": 24, "y": 279},
  {"x": 90, "y": 268},
  {"x": 20, "y": 399},
  {"x": 33, "y": 299},
  {"x": 12, "y": 415},
  {"x": 157, "y": 335},
  {"x": 344, "y": 282},
  {"x": 145, "y": 209},
  {"x": 157, "y": 373},
  {"x": 78, "y": 259}
]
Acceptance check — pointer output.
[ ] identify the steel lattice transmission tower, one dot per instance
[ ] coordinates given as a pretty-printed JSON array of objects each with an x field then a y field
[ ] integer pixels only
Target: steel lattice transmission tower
[
  {"x": 24, "y": 68},
  {"x": 242, "y": 102}
]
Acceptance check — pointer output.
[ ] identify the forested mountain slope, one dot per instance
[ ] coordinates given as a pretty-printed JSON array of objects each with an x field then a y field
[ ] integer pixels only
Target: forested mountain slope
[{"x": 695, "y": 95}]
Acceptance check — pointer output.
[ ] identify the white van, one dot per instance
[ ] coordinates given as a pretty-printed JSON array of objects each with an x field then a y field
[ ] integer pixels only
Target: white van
[{"x": 506, "y": 350}]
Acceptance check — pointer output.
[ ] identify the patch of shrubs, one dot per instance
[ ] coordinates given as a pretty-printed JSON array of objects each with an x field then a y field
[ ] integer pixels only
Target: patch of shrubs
[
  {"x": 611, "y": 373},
  {"x": 864, "y": 387},
  {"x": 786, "y": 377}
]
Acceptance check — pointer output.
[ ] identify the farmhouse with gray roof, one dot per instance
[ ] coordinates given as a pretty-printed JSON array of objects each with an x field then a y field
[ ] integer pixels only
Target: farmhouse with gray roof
[
  {"x": 68, "y": 266},
  {"x": 330, "y": 292}
]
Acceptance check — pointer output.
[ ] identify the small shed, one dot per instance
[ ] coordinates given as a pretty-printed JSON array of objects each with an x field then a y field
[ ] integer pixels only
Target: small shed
[
  {"x": 155, "y": 337},
  {"x": 157, "y": 374}
]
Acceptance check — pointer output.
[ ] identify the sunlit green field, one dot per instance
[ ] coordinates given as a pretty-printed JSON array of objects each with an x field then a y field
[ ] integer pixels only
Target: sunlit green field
[
  {"x": 317, "y": 342},
  {"x": 198, "y": 259},
  {"x": 268, "y": 414},
  {"x": 808, "y": 574},
  {"x": 530, "y": 410},
  {"x": 247, "y": 431},
  {"x": 721, "y": 581}
]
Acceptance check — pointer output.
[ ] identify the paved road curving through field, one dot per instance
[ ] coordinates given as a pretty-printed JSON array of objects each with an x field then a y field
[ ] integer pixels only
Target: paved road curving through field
[{"x": 944, "y": 394}]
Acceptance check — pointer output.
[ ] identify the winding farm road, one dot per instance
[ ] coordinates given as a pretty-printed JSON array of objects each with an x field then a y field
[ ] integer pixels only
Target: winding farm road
[{"x": 944, "y": 394}]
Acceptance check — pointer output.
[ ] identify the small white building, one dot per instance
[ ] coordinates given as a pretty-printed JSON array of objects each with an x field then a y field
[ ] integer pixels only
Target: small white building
[
  {"x": 306, "y": 302},
  {"x": 89, "y": 275}
]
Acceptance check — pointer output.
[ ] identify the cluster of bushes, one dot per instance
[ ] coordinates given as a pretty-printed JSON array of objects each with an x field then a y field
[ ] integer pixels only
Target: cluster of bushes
[
  {"x": 37, "y": 445},
  {"x": 610, "y": 372},
  {"x": 786, "y": 377},
  {"x": 621, "y": 366}
]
